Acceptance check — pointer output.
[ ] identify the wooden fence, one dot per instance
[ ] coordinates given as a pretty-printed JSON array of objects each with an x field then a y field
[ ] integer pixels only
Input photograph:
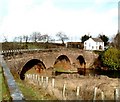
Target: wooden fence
[{"x": 50, "y": 85}]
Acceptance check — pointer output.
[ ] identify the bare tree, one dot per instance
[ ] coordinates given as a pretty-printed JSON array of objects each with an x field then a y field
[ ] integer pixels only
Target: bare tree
[
  {"x": 18, "y": 39},
  {"x": 50, "y": 39},
  {"x": 35, "y": 36},
  {"x": 5, "y": 39},
  {"x": 15, "y": 39},
  {"x": 62, "y": 37},
  {"x": 45, "y": 38},
  {"x": 26, "y": 39}
]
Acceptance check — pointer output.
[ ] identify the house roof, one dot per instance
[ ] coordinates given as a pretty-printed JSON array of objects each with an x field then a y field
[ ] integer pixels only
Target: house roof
[{"x": 97, "y": 39}]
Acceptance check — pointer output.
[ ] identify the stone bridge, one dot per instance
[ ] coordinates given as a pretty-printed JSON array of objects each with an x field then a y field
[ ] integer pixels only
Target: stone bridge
[{"x": 18, "y": 59}]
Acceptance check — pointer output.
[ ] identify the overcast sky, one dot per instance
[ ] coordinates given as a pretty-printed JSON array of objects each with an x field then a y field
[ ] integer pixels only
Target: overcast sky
[{"x": 73, "y": 17}]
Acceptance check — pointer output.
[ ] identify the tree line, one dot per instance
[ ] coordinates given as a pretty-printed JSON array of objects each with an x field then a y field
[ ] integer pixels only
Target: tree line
[{"x": 38, "y": 37}]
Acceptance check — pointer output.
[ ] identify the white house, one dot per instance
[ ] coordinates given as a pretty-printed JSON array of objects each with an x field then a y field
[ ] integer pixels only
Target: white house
[{"x": 94, "y": 44}]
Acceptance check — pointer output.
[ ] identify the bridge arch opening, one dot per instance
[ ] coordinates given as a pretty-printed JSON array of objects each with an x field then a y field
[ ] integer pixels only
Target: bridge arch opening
[
  {"x": 37, "y": 64},
  {"x": 81, "y": 65},
  {"x": 81, "y": 60},
  {"x": 62, "y": 63}
]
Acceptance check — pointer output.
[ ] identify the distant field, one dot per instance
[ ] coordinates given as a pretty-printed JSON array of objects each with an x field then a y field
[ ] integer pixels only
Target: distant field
[{"x": 29, "y": 45}]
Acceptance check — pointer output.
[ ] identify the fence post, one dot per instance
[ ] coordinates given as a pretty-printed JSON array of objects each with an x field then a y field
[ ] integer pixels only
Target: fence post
[
  {"x": 39, "y": 83},
  {"x": 102, "y": 96},
  {"x": 41, "y": 80},
  {"x": 117, "y": 95},
  {"x": 27, "y": 76},
  {"x": 94, "y": 95},
  {"x": 33, "y": 78},
  {"x": 36, "y": 76},
  {"x": 46, "y": 82},
  {"x": 63, "y": 93},
  {"x": 53, "y": 83},
  {"x": 77, "y": 92}
]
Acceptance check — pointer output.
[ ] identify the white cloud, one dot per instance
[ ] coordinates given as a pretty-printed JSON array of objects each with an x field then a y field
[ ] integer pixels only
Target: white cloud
[
  {"x": 105, "y": 1},
  {"x": 25, "y": 18}
]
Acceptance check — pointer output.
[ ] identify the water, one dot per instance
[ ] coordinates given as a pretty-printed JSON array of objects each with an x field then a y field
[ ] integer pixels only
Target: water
[{"x": 93, "y": 72}]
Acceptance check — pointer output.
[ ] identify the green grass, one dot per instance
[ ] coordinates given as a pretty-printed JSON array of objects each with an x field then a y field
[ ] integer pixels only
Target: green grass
[
  {"x": 0, "y": 83},
  {"x": 31, "y": 92},
  {"x": 4, "y": 92},
  {"x": 32, "y": 46}
]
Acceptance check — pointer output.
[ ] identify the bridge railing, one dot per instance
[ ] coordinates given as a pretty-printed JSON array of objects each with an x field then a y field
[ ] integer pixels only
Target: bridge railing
[
  {"x": 24, "y": 50},
  {"x": 15, "y": 93}
]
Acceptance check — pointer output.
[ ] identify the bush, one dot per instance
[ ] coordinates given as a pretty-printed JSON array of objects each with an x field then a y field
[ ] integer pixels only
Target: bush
[{"x": 111, "y": 59}]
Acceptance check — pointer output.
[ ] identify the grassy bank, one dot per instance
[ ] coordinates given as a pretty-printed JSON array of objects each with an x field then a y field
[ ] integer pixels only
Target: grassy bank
[
  {"x": 4, "y": 91},
  {"x": 31, "y": 92}
]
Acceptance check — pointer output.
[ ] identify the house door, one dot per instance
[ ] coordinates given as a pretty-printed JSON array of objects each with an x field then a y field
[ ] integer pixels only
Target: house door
[{"x": 100, "y": 47}]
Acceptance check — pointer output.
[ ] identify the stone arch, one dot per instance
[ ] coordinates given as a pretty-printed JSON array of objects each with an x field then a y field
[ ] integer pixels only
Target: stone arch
[
  {"x": 81, "y": 65},
  {"x": 62, "y": 63},
  {"x": 81, "y": 60},
  {"x": 31, "y": 63},
  {"x": 61, "y": 58}
]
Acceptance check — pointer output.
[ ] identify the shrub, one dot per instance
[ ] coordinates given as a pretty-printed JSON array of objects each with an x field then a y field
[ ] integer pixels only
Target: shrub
[{"x": 111, "y": 59}]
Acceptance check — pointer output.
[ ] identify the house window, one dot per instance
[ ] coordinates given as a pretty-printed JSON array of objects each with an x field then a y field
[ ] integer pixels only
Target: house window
[
  {"x": 89, "y": 44},
  {"x": 92, "y": 47},
  {"x": 96, "y": 47},
  {"x": 96, "y": 43}
]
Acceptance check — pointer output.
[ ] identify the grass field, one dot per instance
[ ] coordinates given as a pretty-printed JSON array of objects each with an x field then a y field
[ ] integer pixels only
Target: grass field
[{"x": 4, "y": 92}]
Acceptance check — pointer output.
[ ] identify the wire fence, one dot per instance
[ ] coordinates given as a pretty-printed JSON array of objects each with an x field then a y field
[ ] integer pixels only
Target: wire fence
[{"x": 63, "y": 91}]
